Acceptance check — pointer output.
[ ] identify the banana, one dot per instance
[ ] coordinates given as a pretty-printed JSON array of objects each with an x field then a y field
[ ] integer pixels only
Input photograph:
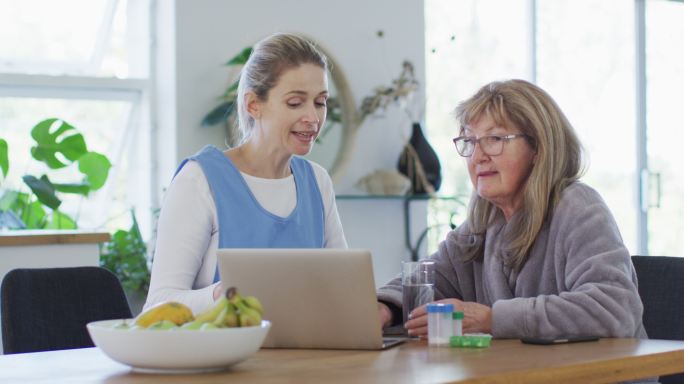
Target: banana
[
  {"x": 212, "y": 313},
  {"x": 222, "y": 314},
  {"x": 254, "y": 303},
  {"x": 175, "y": 312},
  {"x": 191, "y": 325},
  {"x": 231, "y": 319},
  {"x": 163, "y": 325},
  {"x": 218, "y": 321},
  {"x": 232, "y": 295},
  {"x": 248, "y": 317},
  {"x": 231, "y": 310},
  {"x": 207, "y": 326}
]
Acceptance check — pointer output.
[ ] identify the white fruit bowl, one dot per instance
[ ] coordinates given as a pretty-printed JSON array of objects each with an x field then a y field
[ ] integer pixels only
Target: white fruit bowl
[{"x": 177, "y": 350}]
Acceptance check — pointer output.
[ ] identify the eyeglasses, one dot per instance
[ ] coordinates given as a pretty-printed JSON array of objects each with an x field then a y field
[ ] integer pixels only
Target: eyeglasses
[{"x": 491, "y": 145}]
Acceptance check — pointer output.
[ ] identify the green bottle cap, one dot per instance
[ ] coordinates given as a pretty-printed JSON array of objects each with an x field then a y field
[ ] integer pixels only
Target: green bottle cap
[{"x": 457, "y": 315}]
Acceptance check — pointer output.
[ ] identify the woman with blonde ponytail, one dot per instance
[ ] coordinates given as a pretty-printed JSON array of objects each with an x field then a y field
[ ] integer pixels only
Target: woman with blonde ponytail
[
  {"x": 260, "y": 194},
  {"x": 540, "y": 254}
]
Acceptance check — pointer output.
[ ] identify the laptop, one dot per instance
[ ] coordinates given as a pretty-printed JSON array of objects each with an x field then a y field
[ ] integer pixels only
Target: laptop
[{"x": 314, "y": 298}]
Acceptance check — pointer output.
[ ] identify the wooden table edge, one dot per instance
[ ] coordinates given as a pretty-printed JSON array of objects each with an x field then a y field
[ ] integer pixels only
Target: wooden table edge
[{"x": 615, "y": 370}]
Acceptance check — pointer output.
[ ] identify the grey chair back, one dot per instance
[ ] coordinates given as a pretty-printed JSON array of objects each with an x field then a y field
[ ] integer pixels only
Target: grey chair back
[
  {"x": 48, "y": 309},
  {"x": 661, "y": 287}
]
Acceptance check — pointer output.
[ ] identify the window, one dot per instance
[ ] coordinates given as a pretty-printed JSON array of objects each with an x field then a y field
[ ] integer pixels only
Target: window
[
  {"x": 589, "y": 71},
  {"x": 664, "y": 58},
  {"x": 469, "y": 43},
  {"x": 583, "y": 53},
  {"x": 86, "y": 62}
]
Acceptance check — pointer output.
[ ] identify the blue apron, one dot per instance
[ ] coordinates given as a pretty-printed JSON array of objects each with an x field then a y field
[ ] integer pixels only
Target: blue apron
[{"x": 244, "y": 223}]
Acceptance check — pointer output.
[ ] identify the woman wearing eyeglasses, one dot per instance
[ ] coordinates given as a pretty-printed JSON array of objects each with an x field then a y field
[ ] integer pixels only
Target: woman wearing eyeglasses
[{"x": 540, "y": 254}]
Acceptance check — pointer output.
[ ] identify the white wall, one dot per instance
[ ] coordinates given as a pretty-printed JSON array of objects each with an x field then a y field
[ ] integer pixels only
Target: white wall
[{"x": 195, "y": 37}]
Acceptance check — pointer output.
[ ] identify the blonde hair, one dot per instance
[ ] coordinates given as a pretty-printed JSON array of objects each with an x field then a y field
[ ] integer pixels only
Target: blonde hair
[
  {"x": 559, "y": 160},
  {"x": 269, "y": 59}
]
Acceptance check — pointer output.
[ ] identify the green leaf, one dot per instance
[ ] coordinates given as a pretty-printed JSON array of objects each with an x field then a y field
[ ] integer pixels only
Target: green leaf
[
  {"x": 18, "y": 200},
  {"x": 219, "y": 114},
  {"x": 79, "y": 189},
  {"x": 334, "y": 117},
  {"x": 4, "y": 157},
  {"x": 31, "y": 213},
  {"x": 8, "y": 199},
  {"x": 44, "y": 190},
  {"x": 241, "y": 58},
  {"x": 62, "y": 140},
  {"x": 135, "y": 228},
  {"x": 231, "y": 93},
  {"x": 59, "y": 220},
  {"x": 125, "y": 256},
  {"x": 34, "y": 215},
  {"x": 96, "y": 168}
]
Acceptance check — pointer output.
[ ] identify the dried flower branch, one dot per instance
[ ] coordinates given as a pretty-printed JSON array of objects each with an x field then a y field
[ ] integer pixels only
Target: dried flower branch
[{"x": 402, "y": 87}]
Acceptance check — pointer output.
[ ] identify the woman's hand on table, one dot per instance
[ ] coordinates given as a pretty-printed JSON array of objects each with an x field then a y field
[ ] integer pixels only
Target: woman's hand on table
[
  {"x": 476, "y": 317},
  {"x": 385, "y": 315}
]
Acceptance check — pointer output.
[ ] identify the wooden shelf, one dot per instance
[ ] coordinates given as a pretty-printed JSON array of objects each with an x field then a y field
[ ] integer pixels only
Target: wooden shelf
[{"x": 46, "y": 237}]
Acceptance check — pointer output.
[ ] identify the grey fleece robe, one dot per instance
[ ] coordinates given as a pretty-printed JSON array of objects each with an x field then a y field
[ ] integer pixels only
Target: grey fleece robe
[{"x": 577, "y": 280}]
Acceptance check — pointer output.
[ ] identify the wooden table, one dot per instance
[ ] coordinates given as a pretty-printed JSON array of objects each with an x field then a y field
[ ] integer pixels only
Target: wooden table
[{"x": 506, "y": 361}]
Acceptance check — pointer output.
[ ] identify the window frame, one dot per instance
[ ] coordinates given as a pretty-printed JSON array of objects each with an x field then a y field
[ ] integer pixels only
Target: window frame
[{"x": 138, "y": 91}]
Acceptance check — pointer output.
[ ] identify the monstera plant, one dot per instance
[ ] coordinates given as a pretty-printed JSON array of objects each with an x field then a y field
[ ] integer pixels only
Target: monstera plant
[{"x": 58, "y": 145}]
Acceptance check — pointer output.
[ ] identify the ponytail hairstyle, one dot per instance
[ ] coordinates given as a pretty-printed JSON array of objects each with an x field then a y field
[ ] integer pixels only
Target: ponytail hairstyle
[{"x": 269, "y": 59}]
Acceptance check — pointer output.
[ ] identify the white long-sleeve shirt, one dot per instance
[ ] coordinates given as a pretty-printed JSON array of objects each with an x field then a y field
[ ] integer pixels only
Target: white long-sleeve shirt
[{"x": 187, "y": 231}]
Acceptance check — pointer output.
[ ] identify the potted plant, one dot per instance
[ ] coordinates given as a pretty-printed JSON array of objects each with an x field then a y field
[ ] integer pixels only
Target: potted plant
[
  {"x": 126, "y": 256},
  {"x": 59, "y": 146}
]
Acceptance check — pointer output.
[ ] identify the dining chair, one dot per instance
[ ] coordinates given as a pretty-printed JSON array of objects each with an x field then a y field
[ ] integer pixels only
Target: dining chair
[
  {"x": 48, "y": 308},
  {"x": 661, "y": 283}
]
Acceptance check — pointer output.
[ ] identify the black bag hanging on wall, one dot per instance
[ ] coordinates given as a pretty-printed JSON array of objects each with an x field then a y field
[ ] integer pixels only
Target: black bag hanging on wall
[{"x": 419, "y": 162}]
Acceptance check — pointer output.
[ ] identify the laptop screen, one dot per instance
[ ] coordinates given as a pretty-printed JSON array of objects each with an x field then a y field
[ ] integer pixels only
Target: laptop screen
[{"x": 314, "y": 298}]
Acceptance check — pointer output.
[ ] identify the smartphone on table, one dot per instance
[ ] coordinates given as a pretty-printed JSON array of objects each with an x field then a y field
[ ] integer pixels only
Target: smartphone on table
[{"x": 558, "y": 340}]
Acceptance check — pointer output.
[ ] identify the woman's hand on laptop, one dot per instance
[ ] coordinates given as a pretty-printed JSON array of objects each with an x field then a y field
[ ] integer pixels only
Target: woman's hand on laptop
[
  {"x": 385, "y": 315},
  {"x": 218, "y": 291},
  {"x": 476, "y": 317}
]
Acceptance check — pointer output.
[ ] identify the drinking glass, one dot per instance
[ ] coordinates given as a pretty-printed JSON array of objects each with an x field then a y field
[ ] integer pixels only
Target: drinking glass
[{"x": 417, "y": 284}]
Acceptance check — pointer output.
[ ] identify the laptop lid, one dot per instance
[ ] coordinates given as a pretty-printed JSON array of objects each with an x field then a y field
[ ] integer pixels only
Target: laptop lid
[{"x": 314, "y": 298}]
